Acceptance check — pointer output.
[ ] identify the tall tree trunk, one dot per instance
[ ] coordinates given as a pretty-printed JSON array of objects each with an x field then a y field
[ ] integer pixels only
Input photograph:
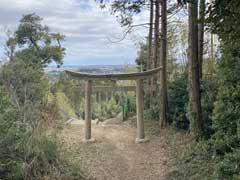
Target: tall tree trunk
[
  {"x": 163, "y": 64},
  {"x": 156, "y": 45},
  {"x": 150, "y": 36},
  {"x": 150, "y": 39},
  {"x": 201, "y": 35},
  {"x": 194, "y": 83},
  {"x": 156, "y": 34}
]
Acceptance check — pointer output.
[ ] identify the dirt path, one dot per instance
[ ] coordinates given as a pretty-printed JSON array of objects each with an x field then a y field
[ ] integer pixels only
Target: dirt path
[{"x": 115, "y": 156}]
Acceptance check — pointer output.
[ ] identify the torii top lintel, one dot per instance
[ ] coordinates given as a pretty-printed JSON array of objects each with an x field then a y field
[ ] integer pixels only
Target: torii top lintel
[{"x": 122, "y": 76}]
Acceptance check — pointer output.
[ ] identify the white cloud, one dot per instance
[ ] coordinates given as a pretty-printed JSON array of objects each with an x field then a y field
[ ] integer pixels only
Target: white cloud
[{"x": 86, "y": 26}]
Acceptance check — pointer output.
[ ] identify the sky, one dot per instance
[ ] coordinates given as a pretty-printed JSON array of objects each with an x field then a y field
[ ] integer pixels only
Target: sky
[{"x": 89, "y": 30}]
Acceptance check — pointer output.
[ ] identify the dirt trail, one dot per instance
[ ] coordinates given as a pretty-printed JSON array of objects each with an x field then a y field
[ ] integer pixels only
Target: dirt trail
[{"x": 115, "y": 156}]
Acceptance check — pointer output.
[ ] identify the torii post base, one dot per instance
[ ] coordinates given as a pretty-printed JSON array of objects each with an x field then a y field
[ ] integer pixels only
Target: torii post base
[
  {"x": 92, "y": 140},
  {"x": 139, "y": 141}
]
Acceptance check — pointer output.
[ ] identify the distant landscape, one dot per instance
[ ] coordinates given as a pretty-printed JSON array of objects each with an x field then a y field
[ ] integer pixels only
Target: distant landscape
[{"x": 94, "y": 69}]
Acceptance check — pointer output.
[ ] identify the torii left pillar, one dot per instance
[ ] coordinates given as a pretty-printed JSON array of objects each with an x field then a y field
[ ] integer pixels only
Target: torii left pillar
[
  {"x": 140, "y": 119},
  {"x": 88, "y": 111}
]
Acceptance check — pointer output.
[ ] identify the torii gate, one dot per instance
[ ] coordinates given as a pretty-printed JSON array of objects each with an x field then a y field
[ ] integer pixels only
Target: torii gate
[{"x": 138, "y": 77}]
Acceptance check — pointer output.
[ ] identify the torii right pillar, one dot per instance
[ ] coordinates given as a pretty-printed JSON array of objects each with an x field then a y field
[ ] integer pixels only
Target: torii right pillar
[
  {"x": 88, "y": 117},
  {"x": 140, "y": 121}
]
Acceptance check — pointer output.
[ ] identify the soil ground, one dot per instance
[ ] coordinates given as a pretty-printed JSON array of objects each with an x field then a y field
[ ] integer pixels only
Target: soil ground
[{"x": 114, "y": 155}]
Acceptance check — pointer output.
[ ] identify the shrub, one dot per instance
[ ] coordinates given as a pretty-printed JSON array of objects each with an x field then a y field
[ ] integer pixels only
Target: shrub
[
  {"x": 106, "y": 110},
  {"x": 27, "y": 150},
  {"x": 218, "y": 157},
  {"x": 209, "y": 94},
  {"x": 178, "y": 101},
  {"x": 25, "y": 83}
]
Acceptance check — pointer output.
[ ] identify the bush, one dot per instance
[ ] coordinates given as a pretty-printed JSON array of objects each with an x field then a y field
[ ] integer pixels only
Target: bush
[
  {"x": 178, "y": 101},
  {"x": 226, "y": 110},
  {"x": 209, "y": 95},
  {"x": 229, "y": 166},
  {"x": 205, "y": 162},
  {"x": 106, "y": 110},
  {"x": 25, "y": 83},
  {"x": 218, "y": 157},
  {"x": 27, "y": 150}
]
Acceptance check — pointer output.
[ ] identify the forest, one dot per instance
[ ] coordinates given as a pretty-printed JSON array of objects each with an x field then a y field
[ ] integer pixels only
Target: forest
[{"x": 191, "y": 106}]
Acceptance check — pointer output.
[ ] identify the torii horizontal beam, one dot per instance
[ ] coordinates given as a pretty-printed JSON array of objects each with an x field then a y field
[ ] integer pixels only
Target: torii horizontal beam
[
  {"x": 109, "y": 88},
  {"x": 121, "y": 76}
]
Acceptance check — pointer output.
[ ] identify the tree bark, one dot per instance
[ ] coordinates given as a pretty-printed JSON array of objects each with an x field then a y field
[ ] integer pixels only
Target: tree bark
[
  {"x": 201, "y": 35},
  {"x": 150, "y": 39},
  {"x": 149, "y": 62},
  {"x": 156, "y": 34},
  {"x": 194, "y": 82},
  {"x": 156, "y": 45},
  {"x": 163, "y": 64}
]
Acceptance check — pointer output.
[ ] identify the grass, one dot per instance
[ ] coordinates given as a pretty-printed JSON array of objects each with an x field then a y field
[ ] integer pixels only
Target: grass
[{"x": 63, "y": 104}]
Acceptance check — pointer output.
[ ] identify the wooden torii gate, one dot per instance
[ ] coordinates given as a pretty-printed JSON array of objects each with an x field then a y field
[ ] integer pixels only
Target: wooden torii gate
[{"x": 138, "y": 77}]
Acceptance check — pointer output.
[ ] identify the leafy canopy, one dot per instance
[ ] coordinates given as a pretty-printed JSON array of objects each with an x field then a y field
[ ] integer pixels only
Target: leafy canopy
[
  {"x": 33, "y": 43},
  {"x": 224, "y": 19}
]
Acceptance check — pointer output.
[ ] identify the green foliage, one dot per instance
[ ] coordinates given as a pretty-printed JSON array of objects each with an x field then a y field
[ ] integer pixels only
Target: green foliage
[
  {"x": 64, "y": 106},
  {"x": 106, "y": 110},
  {"x": 153, "y": 111},
  {"x": 26, "y": 83},
  {"x": 129, "y": 107},
  {"x": 223, "y": 19},
  {"x": 229, "y": 166},
  {"x": 218, "y": 157},
  {"x": 101, "y": 110},
  {"x": 205, "y": 164},
  {"x": 226, "y": 121},
  {"x": 28, "y": 148},
  {"x": 132, "y": 103},
  {"x": 26, "y": 152},
  {"x": 226, "y": 112},
  {"x": 9, "y": 134},
  {"x": 209, "y": 95},
  {"x": 178, "y": 100},
  {"x": 16, "y": 160},
  {"x": 33, "y": 43},
  {"x": 27, "y": 88},
  {"x": 70, "y": 88}
]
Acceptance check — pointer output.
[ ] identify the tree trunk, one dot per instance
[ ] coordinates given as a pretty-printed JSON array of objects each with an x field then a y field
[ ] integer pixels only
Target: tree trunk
[
  {"x": 163, "y": 64},
  {"x": 156, "y": 34},
  {"x": 149, "y": 62},
  {"x": 150, "y": 39},
  {"x": 194, "y": 83},
  {"x": 201, "y": 35},
  {"x": 156, "y": 45}
]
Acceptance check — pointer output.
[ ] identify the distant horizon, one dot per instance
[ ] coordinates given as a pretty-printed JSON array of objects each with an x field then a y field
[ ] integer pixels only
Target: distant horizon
[{"x": 78, "y": 65}]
